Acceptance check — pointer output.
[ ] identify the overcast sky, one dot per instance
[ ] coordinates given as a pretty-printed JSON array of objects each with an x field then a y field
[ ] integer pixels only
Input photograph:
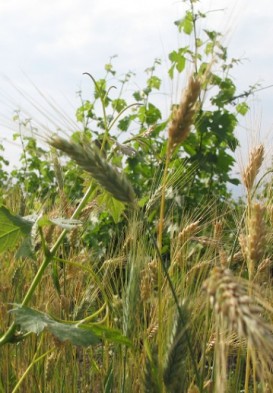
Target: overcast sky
[{"x": 53, "y": 42}]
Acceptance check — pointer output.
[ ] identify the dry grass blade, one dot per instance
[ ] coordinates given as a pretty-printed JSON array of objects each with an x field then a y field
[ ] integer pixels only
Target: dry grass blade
[
  {"x": 89, "y": 158},
  {"x": 240, "y": 312}
]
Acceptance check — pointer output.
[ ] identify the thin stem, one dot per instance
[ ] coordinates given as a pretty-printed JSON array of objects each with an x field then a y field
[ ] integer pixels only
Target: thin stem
[
  {"x": 181, "y": 316},
  {"x": 159, "y": 277},
  {"x": 33, "y": 362},
  {"x": 162, "y": 204},
  {"x": 247, "y": 376},
  {"x": 195, "y": 36}
]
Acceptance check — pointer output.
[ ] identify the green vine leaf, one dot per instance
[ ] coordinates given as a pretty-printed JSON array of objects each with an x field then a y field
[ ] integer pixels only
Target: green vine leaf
[
  {"x": 12, "y": 229},
  {"x": 185, "y": 24},
  {"x": 35, "y": 322},
  {"x": 112, "y": 205},
  {"x": 242, "y": 108},
  {"x": 79, "y": 334}
]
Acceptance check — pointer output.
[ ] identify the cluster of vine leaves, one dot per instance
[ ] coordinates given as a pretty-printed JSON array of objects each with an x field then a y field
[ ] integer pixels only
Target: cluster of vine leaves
[{"x": 136, "y": 142}]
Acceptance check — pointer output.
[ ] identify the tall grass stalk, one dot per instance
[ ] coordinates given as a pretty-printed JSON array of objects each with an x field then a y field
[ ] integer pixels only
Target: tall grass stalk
[{"x": 179, "y": 128}]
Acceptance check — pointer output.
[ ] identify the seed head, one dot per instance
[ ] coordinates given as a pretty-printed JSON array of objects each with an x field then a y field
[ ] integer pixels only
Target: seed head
[
  {"x": 255, "y": 162},
  {"x": 239, "y": 311},
  {"x": 183, "y": 115}
]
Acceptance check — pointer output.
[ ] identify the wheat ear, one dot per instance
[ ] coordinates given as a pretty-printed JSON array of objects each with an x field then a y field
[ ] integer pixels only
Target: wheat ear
[
  {"x": 90, "y": 159},
  {"x": 241, "y": 314},
  {"x": 252, "y": 169},
  {"x": 183, "y": 115},
  {"x": 175, "y": 372}
]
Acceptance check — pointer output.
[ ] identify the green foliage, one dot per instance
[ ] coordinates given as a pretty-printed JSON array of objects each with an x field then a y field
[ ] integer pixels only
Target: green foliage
[
  {"x": 36, "y": 175},
  {"x": 12, "y": 229},
  {"x": 79, "y": 334},
  {"x": 3, "y": 172}
]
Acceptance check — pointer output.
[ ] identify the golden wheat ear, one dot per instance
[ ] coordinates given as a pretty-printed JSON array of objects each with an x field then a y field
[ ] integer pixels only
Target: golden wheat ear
[
  {"x": 252, "y": 169},
  {"x": 240, "y": 312},
  {"x": 89, "y": 158},
  {"x": 183, "y": 116}
]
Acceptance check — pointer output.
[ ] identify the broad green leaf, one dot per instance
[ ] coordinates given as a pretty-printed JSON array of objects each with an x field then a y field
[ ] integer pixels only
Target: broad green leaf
[
  {"x": 180, "y": 65},
  {"x": 79, "y": 334},
  {"x": 119, "y": 104},
  {"x": 209, "y": 48},
  {"x": 109, "y": 68},
  {"x": 12, "y": 229},
  {"x": 113, "y": 206},
  {"x": 124, "y": 123},
  {"x": 105, "y": 333},
  {"x": 242, "y": 108},
  {"x": 185, "y": 24},
  {"x": 31, "y": 320},
  {"x": 226, "y": 93},
  {"x": 35, "y": 322},
  {"x": 178, "y": 59},
  {"x": 149, "y": 115},
  {"x": 154, "y": 82},
  {"x": 100, "y": 88},
  {"x": 137, "y": 96},
  {"x": 188, "y": 23},
  {"x": 26, "y": 249}
]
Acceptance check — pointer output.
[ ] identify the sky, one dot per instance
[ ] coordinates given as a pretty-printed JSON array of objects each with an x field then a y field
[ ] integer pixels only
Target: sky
[{"x": 51, "y": 43}]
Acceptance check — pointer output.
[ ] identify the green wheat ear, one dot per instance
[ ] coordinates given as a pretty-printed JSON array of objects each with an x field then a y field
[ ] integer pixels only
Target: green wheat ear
[
  {"x": 89, "y": 158},
  {"x": 175, "y": 373}
]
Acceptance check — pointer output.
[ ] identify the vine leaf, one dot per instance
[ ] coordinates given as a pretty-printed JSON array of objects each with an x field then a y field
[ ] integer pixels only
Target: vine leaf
[
  {"x": 113, "y": 206},
  {"x": 12, "y": 229},
  {"x": 84, "y": 335},
  {"x": 35, "y": 321}
]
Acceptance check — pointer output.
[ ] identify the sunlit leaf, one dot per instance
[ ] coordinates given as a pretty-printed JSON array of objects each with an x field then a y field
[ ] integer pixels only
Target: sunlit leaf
[
  {"x": 242, "y": 108},
  {"x": 12, "y": 229},
  {"x": 34, "y": 321},
  {"x": 79, "y": 334}
]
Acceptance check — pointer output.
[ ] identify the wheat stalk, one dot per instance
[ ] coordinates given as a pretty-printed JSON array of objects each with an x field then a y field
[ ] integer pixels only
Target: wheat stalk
[{"x": 89, "y": 158}]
